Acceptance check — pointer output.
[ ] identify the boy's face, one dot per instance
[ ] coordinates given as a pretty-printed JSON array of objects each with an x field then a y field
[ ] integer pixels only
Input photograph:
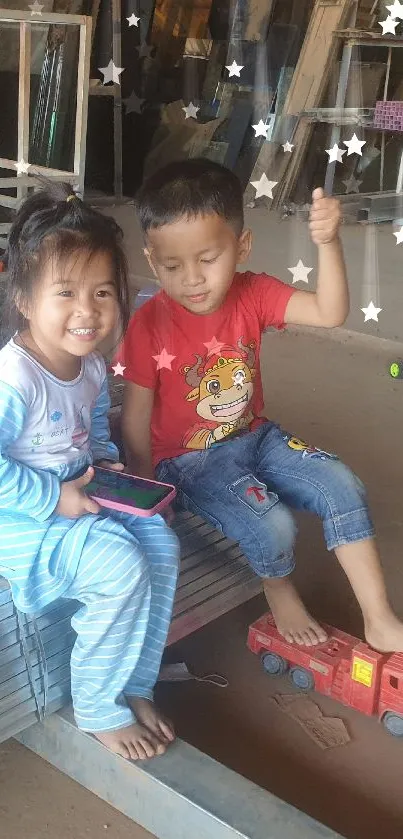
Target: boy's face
[{"x": 195, "y": 260}]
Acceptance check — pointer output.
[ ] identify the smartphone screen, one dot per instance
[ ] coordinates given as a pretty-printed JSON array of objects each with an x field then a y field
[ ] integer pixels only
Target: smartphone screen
[{"x": 128, "y": 489}]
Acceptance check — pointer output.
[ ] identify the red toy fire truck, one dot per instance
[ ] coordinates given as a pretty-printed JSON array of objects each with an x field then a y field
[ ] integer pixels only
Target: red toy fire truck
[{"x": 343, "y": 667}]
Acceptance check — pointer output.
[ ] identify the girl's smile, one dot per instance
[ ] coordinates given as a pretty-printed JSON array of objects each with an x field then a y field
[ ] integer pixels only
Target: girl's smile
[{"x": 74, "y": 308}]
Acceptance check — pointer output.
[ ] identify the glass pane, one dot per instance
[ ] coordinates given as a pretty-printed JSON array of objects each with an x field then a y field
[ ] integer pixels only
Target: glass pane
[
  {"x": 9, "y": 58},
  {"x": 54, "y": 65},
  {"x": 53, "y": 91}
]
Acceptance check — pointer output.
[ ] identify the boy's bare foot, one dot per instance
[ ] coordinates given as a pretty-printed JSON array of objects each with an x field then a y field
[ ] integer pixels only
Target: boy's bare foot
[
  {"x": 292, "y": 620},
  {"x": 147, "y": 713},
  {"x": 134, "y": 742},
  {"x": 385, "y": 633}
]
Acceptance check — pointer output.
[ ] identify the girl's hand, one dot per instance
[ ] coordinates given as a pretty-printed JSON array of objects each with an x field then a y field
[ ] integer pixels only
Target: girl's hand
[
  {"x": 108, "y": 464},
  {"x": 73, "y": 501},
  {"x": 324, "y": 218}
]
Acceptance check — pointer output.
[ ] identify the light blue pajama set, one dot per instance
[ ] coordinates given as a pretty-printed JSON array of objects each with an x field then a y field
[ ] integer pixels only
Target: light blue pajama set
[{"x": 122, "y": 568}]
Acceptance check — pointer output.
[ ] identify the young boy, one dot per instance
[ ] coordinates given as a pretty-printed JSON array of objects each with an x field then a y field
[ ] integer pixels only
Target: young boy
[{"x": 193, "y": 378}]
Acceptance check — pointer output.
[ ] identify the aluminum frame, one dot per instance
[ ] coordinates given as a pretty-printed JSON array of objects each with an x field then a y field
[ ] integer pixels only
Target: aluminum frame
[{"x": 75, "y": 177}]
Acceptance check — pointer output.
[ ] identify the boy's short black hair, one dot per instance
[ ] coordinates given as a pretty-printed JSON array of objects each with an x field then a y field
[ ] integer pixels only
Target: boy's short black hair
[{"x": 189, "y": 188}]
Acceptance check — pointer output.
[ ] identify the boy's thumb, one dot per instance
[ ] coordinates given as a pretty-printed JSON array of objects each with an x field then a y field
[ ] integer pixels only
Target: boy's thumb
[{"x": 318, "y": 193}]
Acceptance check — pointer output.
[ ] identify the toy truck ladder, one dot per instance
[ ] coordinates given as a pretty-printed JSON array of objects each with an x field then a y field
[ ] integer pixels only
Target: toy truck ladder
[{"x": 185, "y": 794}]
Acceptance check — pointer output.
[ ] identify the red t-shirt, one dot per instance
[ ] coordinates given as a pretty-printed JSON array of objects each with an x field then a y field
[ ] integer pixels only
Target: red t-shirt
[{"x": 204, "y": 369}]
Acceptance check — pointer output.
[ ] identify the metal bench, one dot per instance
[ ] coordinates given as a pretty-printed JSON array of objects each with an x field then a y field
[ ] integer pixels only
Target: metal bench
[{"x": 214, "y": 578}]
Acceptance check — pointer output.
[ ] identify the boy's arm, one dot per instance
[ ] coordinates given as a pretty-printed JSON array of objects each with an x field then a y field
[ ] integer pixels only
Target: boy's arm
[
  {"x": 328, "y": 306},
  {"x": 136, "y": 429}
]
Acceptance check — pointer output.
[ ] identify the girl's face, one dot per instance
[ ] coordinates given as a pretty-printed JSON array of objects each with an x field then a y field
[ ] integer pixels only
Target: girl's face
[{"x": 73, "y": 308}]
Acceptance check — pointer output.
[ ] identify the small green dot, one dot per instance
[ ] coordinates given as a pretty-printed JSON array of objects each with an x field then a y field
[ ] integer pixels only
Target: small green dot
[{"x": 394, "y": 369}]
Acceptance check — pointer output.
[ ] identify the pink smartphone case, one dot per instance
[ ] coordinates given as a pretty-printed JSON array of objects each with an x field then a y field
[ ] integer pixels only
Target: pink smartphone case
[{"x": 137, "y": 511}]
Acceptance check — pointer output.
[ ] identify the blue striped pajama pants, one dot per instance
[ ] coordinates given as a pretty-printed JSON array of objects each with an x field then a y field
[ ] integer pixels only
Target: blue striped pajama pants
[{"x": 126, "y": 581}]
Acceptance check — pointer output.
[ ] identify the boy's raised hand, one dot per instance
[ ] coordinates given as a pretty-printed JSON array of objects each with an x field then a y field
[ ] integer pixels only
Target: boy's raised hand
[{"x": 324, "y": 218}]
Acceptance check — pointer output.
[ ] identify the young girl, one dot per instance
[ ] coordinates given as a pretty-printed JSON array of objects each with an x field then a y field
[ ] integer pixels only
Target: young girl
[{"x": 67, "y": 284}]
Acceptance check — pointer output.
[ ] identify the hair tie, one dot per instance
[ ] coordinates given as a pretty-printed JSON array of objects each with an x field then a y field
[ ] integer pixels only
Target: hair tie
[{"x": 71, "y": 197}]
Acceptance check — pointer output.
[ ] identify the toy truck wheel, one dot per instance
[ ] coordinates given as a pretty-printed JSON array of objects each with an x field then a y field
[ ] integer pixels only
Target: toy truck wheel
[
  {"x": 274, "y": 664},
  {"x": 302, "y": 679},
  {"x": 393, "y": 724}
]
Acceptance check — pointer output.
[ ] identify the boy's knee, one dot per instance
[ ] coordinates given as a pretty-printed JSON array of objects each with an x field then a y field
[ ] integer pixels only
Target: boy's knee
[
  {"x": 280, "y": 529},
  {"x": 271, "y": 549}
]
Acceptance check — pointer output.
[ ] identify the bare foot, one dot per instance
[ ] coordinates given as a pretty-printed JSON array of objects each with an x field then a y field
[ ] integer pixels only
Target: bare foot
[
  {"x": 385, "y": 634},
  {"x": 292, "y": 620},
  {"x": 147, "y": 713},
  {"x": 134, "y": 742}
]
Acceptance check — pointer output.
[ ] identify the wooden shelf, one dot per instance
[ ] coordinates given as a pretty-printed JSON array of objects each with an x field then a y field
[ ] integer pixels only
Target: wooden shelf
[{"x": 368, "y": 38}]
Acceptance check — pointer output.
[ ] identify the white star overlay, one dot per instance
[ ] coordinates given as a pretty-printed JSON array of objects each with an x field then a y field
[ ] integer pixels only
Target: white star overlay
[
  {"x": 22, "y": 167},
  {"x": 261, "y": 129},
  {"x": 300, "y": 272},
  {"x": 234, "y": 69},
  {"x": 352, "y": 184},
  {"x": 191, "y": 111},
  {"x": 36, "y": 8},
  {"x": 354, "y": 145},
  {"x": 288, "y": 147},
  {"x": 118, "y": 369},
  {"x": 371, "y": 312},
  {"x": 396, "y": 10},
  {"x": 111, "y": 73},
  {"x": 388, "y": 25},
  {"x": 264, "y": 187},
  {"x": 335, "y": 154},
  {"x": 133, "y": 20},
  {"x": 399, "y": 236}
]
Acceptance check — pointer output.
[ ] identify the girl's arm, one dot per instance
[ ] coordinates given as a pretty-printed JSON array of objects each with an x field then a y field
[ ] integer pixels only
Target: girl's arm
[
  {"x": 23, "y": 490},
  {"x": 101, "y": 445}
]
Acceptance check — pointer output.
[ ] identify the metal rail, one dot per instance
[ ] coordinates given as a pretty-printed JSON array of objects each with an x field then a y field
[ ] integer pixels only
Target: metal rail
[{"x": 183, "y": 795}]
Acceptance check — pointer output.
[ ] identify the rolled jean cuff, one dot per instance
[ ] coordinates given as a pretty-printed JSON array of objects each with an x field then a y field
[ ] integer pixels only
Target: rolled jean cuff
[
  {"x": 278, "y": 568},
  {"x": 348, "y": 528}
]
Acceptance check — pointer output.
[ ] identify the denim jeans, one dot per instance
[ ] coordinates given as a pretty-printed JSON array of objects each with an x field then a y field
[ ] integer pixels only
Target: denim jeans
[{"x": 246, "y": 486}]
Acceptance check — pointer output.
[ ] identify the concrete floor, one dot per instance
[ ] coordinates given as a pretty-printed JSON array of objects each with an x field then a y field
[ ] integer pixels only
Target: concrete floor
[{"x": 336, "y": 394}]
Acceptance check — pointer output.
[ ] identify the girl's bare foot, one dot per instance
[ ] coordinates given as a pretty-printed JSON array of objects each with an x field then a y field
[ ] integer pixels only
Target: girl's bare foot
[
  {"x": 385, "y": 633},
  {"x": 292, "y": 620},
  {"x": 134, "y": 742},
  {"x": 147, "y": 713}
]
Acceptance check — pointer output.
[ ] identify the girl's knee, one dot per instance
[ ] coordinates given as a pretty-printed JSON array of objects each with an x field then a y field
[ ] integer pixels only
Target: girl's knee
[
  {"x": 132, "y": 571},
  {"x": 113, "y": 565}
]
